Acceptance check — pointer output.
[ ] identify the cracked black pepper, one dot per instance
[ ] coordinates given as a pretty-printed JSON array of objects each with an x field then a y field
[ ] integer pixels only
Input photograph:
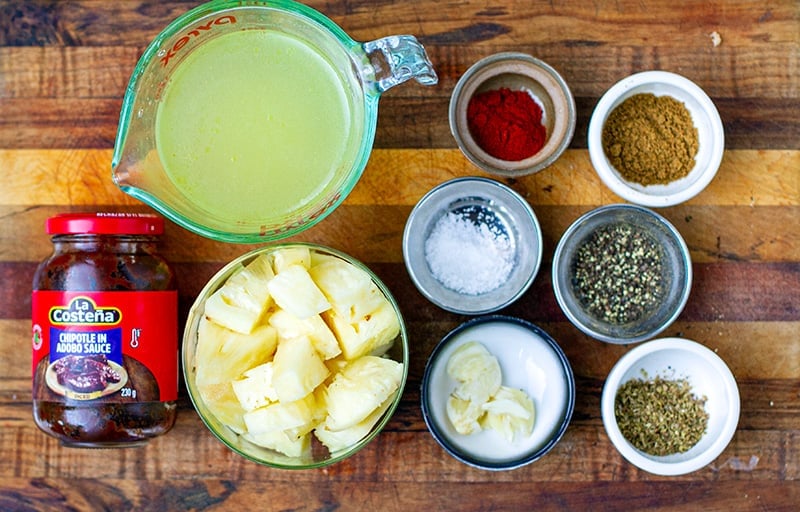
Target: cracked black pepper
[{"x": 617, "y": 273}]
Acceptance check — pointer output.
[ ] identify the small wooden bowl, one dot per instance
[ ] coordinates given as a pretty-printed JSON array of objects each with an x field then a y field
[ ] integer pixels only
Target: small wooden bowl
[{"x": 515, "y": 71}]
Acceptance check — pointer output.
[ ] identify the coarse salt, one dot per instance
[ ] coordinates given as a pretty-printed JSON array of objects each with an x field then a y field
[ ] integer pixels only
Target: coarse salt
[{"x": 469, "y": 256}]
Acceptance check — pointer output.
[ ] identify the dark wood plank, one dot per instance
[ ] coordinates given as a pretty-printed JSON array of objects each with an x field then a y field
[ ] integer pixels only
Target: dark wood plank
[
  {"x": 402, "y": 122},
  {"x": 92, "y": 23},
  {"x": 584, "y": 455},
  {"x": 734, "y": 291},
  {"x": 50, "y": 494}
]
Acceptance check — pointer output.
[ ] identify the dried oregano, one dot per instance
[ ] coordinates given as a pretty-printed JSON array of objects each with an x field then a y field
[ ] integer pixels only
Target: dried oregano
[{"x": 660, "y": 416}]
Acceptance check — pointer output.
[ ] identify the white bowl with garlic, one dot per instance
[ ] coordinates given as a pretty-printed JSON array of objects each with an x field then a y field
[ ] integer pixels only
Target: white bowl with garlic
[
  {"x": 295, "y": 355},
  {"x": 497, "y": 393}
]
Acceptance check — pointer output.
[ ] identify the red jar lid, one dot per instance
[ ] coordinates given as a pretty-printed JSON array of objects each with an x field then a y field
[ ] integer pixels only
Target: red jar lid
[{"x": 105, "y": 223}]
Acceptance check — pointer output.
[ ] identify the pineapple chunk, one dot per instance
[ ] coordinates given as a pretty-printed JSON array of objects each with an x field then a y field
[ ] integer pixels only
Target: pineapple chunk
[
  {"x": 373, "y": 334},
  {"x": 222, "y": 402},
  {"x": 477, "y": 371},
  {"x": 293, "y": 418},
  {"x": 240, "y": 303},
  {"x": 464, "y": 415},
  {"x": 360, "y": 388},
  {"x": 509, "y": 412},
  {"x": 289, "y": 326},
  {"x": 298, "y": 369},
  {"x": 294, "y": 290},
  {"x": 318, "y": 258},
  {"x": 283, "y": 258},
  {"x": 224, "y": 355},
  {"x": 335, "y": 365},
  {"x": 342, "y": 439},
  {"x": 349, "y": 289},
  {"x": 279, "y": 441},
  {"x": 255, "y": 389}
]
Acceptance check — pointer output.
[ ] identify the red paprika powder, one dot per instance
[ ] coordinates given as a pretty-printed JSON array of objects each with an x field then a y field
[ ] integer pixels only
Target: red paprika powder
[{"x": 506, "y": 124}]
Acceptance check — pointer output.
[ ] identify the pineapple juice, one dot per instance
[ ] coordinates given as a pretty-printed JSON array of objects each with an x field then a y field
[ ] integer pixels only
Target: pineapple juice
[{"x": 254, "y": 124}]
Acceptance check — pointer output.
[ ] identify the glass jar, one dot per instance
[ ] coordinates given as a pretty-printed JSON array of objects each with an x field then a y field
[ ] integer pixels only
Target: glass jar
[{"x": 105, "y": 332}]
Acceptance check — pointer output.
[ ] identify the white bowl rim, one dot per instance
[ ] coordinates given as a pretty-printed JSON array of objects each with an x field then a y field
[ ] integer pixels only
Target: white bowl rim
[
  {"x": 611, "y": 178},
  {"x": 465, "y": 456},
  {"x": 636, "y": 457}
]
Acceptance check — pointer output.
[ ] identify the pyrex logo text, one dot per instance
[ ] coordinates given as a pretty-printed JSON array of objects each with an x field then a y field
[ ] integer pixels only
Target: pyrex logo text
[{"x": 183, "y": 41}]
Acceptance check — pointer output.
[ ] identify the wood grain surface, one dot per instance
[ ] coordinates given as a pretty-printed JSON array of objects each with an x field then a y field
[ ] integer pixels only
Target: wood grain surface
[{"x": 64, "y": 66}]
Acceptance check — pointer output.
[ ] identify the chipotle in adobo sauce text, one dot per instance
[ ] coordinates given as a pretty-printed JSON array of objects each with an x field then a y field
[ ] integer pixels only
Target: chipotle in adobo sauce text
[{"x": 104, "y": 332}]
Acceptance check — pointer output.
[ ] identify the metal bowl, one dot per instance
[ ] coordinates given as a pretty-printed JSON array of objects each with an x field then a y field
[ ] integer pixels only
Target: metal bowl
[
  {"x": 477, "y": 201},
  {"x": 675, "y": 275}
]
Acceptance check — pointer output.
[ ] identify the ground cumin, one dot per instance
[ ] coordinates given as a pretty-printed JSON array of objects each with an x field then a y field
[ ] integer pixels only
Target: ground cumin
[{"x": 650, "y": 139}]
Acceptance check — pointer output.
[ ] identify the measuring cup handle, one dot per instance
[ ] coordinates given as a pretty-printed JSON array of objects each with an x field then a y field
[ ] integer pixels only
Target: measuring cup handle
[{"x": 405, "y": 58}]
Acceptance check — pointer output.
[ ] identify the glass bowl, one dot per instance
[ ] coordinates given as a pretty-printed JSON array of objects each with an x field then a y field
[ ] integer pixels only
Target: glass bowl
[
  {"x": 317, "y": 455},
  {"x": 674, "y": 273},
  {"x": 707, "y": 375}
]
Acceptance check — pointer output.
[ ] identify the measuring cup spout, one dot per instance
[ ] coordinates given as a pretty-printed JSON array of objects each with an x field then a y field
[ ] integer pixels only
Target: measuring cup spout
[{"x": 405, "y": 58}]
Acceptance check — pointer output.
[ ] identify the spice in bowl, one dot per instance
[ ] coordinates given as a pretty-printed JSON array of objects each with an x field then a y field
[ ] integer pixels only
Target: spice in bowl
[
  {"x": 660, "y": 416},
  {"x": 472, "y": 245},
  {"x": 469, "y": 251},
  {"x": 651, "y": 139},
  {"x": 506, "y": 124},
  {"x": 621, "y": 273},
  {"x": 512, "y": 114},
  {"x": 617, "y": 273}
]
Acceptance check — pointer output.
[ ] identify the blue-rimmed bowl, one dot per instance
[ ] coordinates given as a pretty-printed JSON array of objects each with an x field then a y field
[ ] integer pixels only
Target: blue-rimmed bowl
[{"x": 531, "y": 360}]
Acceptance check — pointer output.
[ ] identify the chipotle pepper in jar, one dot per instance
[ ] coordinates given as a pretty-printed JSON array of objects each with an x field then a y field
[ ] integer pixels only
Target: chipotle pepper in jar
[{"x": 105, "y": 332}]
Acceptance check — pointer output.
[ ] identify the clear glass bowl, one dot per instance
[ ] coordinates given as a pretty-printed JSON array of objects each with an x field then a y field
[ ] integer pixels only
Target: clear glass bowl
[
  {"x": 319, "y": 456},
  {"x": 676, "y": 274}
]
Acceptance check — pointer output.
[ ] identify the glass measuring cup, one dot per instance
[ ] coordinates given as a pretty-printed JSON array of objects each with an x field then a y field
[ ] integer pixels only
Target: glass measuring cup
[{"x": 251, "y": 121}]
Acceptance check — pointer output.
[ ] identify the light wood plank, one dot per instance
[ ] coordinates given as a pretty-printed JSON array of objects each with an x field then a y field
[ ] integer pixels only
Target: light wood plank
[
  {"x": 402, "y": 177},
  {"x": 714, "y": 234}
]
